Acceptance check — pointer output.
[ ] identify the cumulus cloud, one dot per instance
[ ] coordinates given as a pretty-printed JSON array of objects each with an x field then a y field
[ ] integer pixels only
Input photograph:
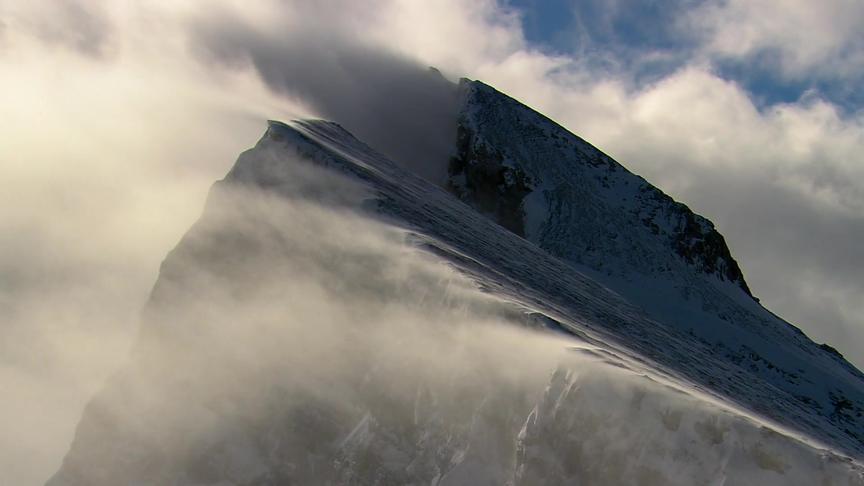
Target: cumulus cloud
[{"x": 808, "y": 40}]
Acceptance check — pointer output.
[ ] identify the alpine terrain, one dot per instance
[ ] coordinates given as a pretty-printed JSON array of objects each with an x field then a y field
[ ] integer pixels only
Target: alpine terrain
[{"x": 522, "y": 311}]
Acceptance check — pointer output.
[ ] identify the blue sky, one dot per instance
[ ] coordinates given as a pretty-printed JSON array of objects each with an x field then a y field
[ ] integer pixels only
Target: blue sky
[{"x": 619, "y": 36}]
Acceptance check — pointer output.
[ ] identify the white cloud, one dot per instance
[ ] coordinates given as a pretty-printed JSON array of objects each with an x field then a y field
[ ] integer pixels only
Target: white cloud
[
  {"x": 824, "y": 36},
  {"x": 106, "y": 155},
  {"x": 454, "y": 34}
]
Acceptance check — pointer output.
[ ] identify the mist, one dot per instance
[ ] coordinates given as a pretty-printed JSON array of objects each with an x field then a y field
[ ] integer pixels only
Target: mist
[
  {"x": 401, "y": 108},
  {"x": 117, "y": 119},
  {"x": 106, "y": 155}
]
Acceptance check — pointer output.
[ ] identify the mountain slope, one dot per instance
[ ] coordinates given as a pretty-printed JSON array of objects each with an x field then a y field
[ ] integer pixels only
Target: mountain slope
[
  {"x": 542, "y": 182},
  {"x": 322, "y": 324},
  {"x": 750, "y": 356}
]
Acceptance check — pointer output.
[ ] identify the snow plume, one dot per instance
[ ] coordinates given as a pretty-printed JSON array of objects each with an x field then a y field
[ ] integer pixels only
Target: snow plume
[
  {"x": 294, "y": 339},
  {"x": 403, "y": 109}
]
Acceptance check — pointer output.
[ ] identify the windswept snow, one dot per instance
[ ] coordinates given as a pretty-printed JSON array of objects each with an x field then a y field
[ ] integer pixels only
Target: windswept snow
[
  {"x": 334, "y": 319},
  {"x": 580, "y": 205}
]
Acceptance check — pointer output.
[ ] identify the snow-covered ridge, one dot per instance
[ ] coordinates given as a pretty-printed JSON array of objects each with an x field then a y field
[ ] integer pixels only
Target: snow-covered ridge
[
  {"x": 316, "y": 326},
  {"x": 727, "y": 345}
]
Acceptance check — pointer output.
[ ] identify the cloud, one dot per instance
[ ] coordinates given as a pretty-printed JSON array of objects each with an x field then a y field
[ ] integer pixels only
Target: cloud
[
  {"x": 392, "y": 102},
  {"x": 73, "y": 24},
  {"x": 778, "y": 51},
  {"x": 105, "y": 161},
  {"x": 809, "y": 40}
]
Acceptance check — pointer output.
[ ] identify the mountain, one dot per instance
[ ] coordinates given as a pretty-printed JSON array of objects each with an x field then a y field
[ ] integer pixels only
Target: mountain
[
  {"x": 539, "y": 315},
  {"x": 559, "y": 192}
]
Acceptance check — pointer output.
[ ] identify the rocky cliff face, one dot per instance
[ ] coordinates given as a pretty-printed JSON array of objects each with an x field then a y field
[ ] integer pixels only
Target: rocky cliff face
[
  {"x": 336, "y": 319},
  {"x": 546, "y": 184}
]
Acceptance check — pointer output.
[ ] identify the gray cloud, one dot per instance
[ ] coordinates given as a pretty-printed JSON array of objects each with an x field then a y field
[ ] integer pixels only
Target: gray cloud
[
  {"x": 391, "y": 102},
  {"x": 84, "y": 27}
]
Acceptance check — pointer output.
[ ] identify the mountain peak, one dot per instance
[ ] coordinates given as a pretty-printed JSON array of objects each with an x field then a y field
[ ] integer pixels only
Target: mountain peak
[
  {"x": 337, "y": 317},
  {"x": 544, "y": 183}
]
